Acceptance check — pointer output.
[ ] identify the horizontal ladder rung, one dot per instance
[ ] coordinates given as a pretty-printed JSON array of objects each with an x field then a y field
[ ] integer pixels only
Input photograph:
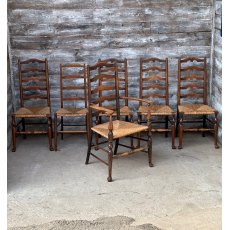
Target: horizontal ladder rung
[
  {"x": 127, "y": 153},
  {"x": 31, "y": 132},
  {"x": 71, "y": 131},
  {"x": 198, "y": 129}
]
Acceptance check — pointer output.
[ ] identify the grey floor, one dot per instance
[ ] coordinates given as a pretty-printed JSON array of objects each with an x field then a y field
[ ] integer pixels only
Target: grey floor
[{"x": 182, "y": 191}]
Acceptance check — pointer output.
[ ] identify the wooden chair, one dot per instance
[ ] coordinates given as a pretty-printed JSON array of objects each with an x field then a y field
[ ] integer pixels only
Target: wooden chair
[
  {"x": 34, "y": 100},
  {"x": 125, "y": 111},
  {"x": 192, "y": 98},
  {"x": 72, "y": 90},
  {"x": 104, "y": 77},
  {"x": 154, "y": 86},
  {"x": 123, "y": 86}
]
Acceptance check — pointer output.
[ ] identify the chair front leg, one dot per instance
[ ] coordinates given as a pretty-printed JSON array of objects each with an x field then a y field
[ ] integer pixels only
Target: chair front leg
[
  {"x": 216, "y": 130},
  {"x": 166, "y": 125},
  {"x": 23, "y": 127},
  {"x": 110, "y": 155},
  {"x": 87, "y": 126},
  {"x": 139, "y": 134},
  {"x": 13, "y": 133},
  {"x": 62, "y": 128},
  {"x": 131, "y": 138},
  {"x": 149, "y": 140},
  {"x": 177, "y": 122},
  {"x": 204, "y": 125},
  {"x": 55, "y": 132},
  {"x": 116, "y": 146},
  {"x": 98, "y": 121},
  {"x": 181, "y": 115},
  {"x": 89, "y": 147},
  {"x": 173, "y": 131},
  {"x": 50, "y": 133}
]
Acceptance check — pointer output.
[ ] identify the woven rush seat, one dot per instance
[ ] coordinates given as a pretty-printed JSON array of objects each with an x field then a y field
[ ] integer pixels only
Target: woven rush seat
[
  {"x": 120, "y": 129},
  {"x": 156, "y": 110},
  {"x": 29, "y": 112},
  {"x": 72, "y": 112},
  {"x": 195, "y": 109}
]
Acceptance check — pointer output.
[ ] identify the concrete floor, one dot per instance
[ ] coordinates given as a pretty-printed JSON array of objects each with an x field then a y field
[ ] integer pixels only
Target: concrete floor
[{"x": 182, "y": 191}]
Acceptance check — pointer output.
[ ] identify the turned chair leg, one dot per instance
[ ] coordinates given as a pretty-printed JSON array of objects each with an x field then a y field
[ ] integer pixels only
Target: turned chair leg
[
  {"x": 216, "y": 130},
  {"x": 180, "y": 131},
  {"x": 13, "y": 134}
]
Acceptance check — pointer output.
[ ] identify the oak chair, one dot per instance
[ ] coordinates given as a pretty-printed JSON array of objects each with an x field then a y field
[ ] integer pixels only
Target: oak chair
[
  {"x": 34, "y": 101},
  {"x": 154, "y": 87},
  {"x": 103, "y": 77},
  {"x": 192, "y": 98},
  {"x": 73, "y": 98}
]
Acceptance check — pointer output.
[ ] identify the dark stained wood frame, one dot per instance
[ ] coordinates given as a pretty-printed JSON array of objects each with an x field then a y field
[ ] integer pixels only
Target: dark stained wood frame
[
  {"x": 43, "y": 69},
  {"x": 167, "y": 118},
  {"x": 95, "y": 109},
  {"x": 78, "y": 67},
  {"x": 202, "y": 69}
]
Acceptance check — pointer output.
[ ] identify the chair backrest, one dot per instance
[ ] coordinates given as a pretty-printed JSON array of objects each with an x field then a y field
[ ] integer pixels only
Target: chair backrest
[
  {"x": 34, "y": 82},
  {"x": 154, "y": 80},
  {"x": 103, "y": 85},
  {"x": 73, "y": 86},
  {"x": 122, "y": 75},
  {"x": 192, "y": 75}
]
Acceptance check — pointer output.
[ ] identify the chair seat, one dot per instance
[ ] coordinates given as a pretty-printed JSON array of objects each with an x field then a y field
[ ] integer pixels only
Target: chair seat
[
  {"x": 195, "y": 109},
  {"x": 72, "y": 112},
  {"x": 29, "y": 112},
  {"x": 120, "y": 129},
  {"x": 156, "y": 110}
]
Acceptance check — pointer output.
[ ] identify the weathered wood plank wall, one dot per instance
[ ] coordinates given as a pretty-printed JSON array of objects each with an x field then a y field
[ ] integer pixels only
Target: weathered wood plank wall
[
  {"x": 216, "y": 90},
  {"x": 83, "y": 31}
]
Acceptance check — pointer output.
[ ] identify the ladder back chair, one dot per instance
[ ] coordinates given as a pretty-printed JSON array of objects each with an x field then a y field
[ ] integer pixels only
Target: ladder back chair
[
  {"x": 34, "y": 101},
  {"x": 73, "y": 98},
  {"x": 122, "y": 73},
  {"x": 122, "y": 85},
  {"x": 192, "y": 98},
  {"x": 154, "y": 87},
  {"x": 103, "y": 77}
]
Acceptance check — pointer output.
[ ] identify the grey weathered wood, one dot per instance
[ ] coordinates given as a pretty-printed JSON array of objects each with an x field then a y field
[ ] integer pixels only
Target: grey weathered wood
[{"x": 216, "y": 99}]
